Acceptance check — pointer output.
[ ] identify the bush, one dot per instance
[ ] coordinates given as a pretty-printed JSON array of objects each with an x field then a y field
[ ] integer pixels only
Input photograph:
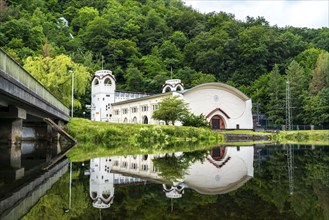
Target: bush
[{"x": 194, "y": 120}]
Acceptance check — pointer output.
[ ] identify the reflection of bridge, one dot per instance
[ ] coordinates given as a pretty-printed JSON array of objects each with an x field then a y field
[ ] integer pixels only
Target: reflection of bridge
[
  {"x": 16, "y": 204},
  {"x": 24, "y": 102}
]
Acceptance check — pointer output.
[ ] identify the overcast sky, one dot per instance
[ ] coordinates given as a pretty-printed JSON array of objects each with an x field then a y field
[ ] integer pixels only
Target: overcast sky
[{"x": 297, "y": 13}]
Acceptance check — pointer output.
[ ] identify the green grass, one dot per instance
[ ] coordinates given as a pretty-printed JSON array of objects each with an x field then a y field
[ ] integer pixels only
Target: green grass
[
  {"x": 311, "y": 137},
  {"x": 97, "y": 139},
  {"x": 103, "y": 139}
]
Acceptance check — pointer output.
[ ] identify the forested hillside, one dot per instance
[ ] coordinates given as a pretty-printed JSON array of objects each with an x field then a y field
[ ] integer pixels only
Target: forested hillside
[{"x": 142, "y": 40}]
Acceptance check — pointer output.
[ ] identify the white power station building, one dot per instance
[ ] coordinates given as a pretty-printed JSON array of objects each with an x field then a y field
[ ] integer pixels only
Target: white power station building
[
  {"x": 223, "y": 170},
  {"x": 224, "y": 106}
]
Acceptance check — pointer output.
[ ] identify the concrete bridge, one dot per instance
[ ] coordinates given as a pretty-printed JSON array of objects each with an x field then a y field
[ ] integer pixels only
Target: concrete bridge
[{"x": 24, "y": 102}]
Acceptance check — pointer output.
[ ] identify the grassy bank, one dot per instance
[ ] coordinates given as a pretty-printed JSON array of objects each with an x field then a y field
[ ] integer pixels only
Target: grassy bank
[
  {"x": 98, "y": 139},
  {"x": 103, "y": 139},
  {"x": 317, "y": 137}
]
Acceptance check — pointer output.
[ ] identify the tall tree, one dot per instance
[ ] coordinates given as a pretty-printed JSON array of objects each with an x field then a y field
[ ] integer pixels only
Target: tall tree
[
  {"x": 56, "y": 75},
  {"x": 276, "y": 93},
  {"x": 298, "y": 89},
  {"x": 170, "y": 109},
  {"x": 320, "y": 78}
]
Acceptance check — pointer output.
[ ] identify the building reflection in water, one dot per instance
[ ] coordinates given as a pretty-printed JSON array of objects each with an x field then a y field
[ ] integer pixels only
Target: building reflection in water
[{"x": 224, "y": 169}]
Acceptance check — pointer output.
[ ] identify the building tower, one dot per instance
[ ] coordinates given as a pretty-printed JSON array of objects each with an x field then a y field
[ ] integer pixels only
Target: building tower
[
  {"x": 172, "y": 85},
  {"x": 101, "y": 182},
  {"x": 102, "y": 95}
]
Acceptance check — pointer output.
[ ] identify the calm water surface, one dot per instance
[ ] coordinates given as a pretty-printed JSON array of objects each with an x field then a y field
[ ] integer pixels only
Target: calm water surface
[{"x": 231, "y": 182}]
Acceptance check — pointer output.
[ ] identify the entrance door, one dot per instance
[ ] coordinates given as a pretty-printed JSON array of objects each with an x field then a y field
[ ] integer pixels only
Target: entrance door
[
  {"x": 146, "y": 120},
  {"x": 215, "y": 123}
]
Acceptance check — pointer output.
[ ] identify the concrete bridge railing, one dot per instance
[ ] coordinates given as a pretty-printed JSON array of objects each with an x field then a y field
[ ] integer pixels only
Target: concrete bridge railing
[{"x": 16, "y": 71}]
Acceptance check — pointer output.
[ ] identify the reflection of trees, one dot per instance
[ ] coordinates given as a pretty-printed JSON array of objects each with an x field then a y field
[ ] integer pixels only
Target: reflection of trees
[
  {"x": 310, "y": 171},
  {"x": 173, "y": 168},
  {"x": 266, "y": 196}
]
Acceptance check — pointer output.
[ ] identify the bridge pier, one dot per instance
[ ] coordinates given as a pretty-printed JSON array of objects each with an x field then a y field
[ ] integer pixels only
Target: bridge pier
[
  {"x": 10, "y": 143},
  {"x": 25, "y": 139}
]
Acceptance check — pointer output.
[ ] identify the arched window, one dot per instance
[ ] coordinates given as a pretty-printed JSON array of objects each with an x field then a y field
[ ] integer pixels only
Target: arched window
[
  {"x": 96, "y": 82},
  {"x": 135, "y": 120},
  {"x": 217, "y": 153},
  {"x": 106, "y": 195},
  {"x": 107, "y": 82},
  {"x": 168, "y": 89},
  {"x": 125, "y": 120},
  {"x": 179, "y": 88},
  {"x": 145, "y": 120},
  {"x": 94, "y": 195}
]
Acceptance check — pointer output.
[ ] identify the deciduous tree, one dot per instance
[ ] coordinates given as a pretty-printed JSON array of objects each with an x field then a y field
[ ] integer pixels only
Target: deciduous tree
[
  {"x": 56, "y": 75},
  {"x": 170, "y": 109}
]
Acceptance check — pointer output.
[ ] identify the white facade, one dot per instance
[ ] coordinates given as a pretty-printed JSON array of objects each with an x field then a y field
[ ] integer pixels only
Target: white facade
[
  {"x": 225, "y": 169},
  {"x": 101, "y": 182},
  {"x": 224, "y": 106},
  {"x": 102, "y": 95}
]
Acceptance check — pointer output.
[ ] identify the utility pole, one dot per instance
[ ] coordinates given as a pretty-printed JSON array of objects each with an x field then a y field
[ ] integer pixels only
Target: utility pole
[
  {"x": 290, "y": 163},
  {"x": 288, "y": 107}
]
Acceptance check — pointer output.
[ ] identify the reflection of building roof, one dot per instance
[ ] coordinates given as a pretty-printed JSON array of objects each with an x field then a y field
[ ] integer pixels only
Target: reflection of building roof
[
  {"x": 225, "y": 175},
  {"x": 101, "y": 203},
  {"x": 225, "y": 170},
  {"x": 173, "y": 192}
]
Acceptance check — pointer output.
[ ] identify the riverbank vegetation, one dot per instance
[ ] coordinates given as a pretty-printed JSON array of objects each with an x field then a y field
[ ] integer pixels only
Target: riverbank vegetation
[
  {"x": 311, "y": 137},
  {"x": 100, "y": 138}
]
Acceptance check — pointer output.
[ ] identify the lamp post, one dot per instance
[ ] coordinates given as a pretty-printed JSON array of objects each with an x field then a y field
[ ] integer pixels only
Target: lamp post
[
  {"x": 72, "y": 92},
  {"x": 70, "y": 190}
]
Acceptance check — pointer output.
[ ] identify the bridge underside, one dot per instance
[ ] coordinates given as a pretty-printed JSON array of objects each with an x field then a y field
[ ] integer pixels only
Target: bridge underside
[
  {"x": 21, "y": 120},
  {"x": 15, "y": 94}
]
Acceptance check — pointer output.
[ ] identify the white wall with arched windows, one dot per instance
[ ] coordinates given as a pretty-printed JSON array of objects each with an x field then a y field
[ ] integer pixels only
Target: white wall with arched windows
[
  {"x": 102, "y": 95},
  {"x": 224, "y": 106}
]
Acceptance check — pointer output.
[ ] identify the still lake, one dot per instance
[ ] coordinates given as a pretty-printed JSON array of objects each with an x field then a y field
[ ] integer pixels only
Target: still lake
[{"x": 226, "y": 182}]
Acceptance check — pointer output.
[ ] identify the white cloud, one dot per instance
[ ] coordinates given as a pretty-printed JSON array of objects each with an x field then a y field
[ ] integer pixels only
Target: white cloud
[{"x": 297, "y": 13}]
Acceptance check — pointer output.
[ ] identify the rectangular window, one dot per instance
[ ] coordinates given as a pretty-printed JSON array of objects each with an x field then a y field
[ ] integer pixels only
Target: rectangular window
[
  {"x": 145, "y": 167},
  {"x": 125, "y": 111},
  {"x": 144, "y": 108},
  {"x": 134, "y": 166},
  {"x": 116, "y": 112},
  {"x": 134, "y": 109},
  {"x": 155, "y": 107}
]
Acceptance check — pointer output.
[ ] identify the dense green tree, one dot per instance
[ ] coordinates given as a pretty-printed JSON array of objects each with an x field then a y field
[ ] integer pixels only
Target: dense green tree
[
  {"x": 320, "y": 76},
  {"x": 85, "y": 15},
  {"x": 194, "y": 120},
  {"x": 200, "y": 78},
  {"x": 134, "y": 79},
  {"x": 179, "y": 38},
  {"x": 121, "y": 52},
  {"x": 157, "y": 36},
  {"x": 97, "y": 42},
  {"x": 298, "y": 89},
  {"x": 206, "y": 52},
  {"x": 316, "y": 108},
  {"x": 55, "y": 74},
  {"x": 276, "y": 93},
  {"x": 171, "y": 108}
]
